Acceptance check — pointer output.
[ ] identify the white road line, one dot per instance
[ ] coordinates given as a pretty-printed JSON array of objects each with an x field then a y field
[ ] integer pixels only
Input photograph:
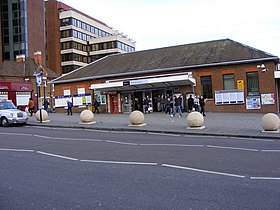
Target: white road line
[
  {"x": 16, "y": 134},
  {"x": 44, "y": 137},
  {"x": 163, "y": 134},
  {"x": 54, "y": 155},
  {"x": 203, "y": 171},
  {"x": 119, "y": 142},
  {"x": 17, "y": 150},
  {"x": 119, "y": 162},
  {"x": 127, "y": 132},
  {"x": 251, "y": 139},
  {"x": 173, "y": 145},
  {"x": 270, "y": 150},
  {"x": 201, "y": 136},
  {"x": 232, "y": 148},
  {"x": 74, "y": 139},
  {"x": 265, "y": 178},
  {"x": 101, "y": 131}
]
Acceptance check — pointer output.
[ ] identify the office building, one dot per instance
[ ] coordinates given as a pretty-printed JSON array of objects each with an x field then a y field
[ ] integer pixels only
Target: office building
[
  {"x": 75, "y": 39},
  {"x": 22, "y": 28}
]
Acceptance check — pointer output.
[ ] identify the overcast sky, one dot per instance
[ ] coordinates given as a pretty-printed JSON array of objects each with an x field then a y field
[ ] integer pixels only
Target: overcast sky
[{"x": 161, "y": 23}]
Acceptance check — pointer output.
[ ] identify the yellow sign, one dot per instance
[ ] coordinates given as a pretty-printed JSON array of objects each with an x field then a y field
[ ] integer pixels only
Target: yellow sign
[{"x": 240, "y": 84}]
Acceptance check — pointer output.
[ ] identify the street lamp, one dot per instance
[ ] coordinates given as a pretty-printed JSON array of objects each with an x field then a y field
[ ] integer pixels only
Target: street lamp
[{"x": 38, "y": 83}]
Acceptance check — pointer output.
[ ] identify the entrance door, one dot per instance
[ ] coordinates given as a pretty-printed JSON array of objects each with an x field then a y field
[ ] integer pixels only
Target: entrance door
[
  {"x": 127, "y": 102},
  {"x": 137, "y": 100},
  {"x": 114, "y": 104}
]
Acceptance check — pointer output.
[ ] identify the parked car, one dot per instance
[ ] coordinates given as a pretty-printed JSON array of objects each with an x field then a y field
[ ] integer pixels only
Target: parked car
[{"x": 9, "y": 114}]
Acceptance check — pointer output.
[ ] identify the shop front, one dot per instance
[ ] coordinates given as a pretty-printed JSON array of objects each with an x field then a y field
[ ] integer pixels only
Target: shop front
[
  {"x": 145, "y": 94},
  {"x": 18, "y": 92}
]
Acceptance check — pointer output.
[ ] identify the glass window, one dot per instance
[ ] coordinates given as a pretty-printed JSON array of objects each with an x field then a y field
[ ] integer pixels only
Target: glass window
[
  {"x": 228, "y": 81},
  {"x": 206, "y": 86},
  {"x": 253, "y": 84}
]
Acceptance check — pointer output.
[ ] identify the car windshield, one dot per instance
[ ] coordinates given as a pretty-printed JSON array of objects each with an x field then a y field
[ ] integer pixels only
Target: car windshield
[{"x": 7, "y": 105}]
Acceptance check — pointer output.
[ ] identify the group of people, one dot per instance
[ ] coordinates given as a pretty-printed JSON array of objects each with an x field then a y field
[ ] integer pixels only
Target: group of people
[
  {"x": 196, "y": 104},
  {"x": 31, "y": 106},
  {"x": 173, "y": 105}
]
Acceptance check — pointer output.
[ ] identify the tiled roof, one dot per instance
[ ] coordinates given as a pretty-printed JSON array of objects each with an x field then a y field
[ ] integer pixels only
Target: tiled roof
[
  {"x": 15, "y": 69},
  {"x": 189, "y": 55}
]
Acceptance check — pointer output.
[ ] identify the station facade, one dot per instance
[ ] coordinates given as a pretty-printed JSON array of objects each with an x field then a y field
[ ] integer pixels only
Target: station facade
[{"x": 232, "y": 76}]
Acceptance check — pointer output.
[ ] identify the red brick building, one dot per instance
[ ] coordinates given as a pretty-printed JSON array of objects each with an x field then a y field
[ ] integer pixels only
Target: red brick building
[{"x": 232, "y": 76}]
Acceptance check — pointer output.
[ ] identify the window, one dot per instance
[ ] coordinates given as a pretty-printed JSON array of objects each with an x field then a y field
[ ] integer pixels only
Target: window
[
  {"x": 253, "y": 84},
  {"x": 228, "y": 81},
  {"x": 206, "y": 86}
]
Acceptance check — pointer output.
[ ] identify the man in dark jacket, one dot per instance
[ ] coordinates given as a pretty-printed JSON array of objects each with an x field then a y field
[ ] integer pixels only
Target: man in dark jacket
[{"x": 202, "y": 105}]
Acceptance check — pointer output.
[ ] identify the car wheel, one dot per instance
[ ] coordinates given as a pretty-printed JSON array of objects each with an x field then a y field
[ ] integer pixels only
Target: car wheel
[{"x": 4, "y": 122}]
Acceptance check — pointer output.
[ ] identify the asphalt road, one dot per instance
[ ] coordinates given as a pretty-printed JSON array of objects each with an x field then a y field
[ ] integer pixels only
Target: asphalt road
[{"x": 48, "y": 168}]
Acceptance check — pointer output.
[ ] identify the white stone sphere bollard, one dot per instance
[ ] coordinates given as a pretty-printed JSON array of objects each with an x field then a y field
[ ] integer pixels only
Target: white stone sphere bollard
[
  {"x": 195, "y": 120},
  {"x": 45, "y": 115},
  {"x": 270, "y": 122},
  {"x": 137, "y": 118},
  {"x": 86, "y": 117}
]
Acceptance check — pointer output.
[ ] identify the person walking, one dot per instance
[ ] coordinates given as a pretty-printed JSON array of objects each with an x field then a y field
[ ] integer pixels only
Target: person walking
[
  {"x": 96, "y": 104},
  {"x": 167, "y": 105},
  {"x": 202, "y": 105},
  {"x": 69, "y": 107},
  {"x": 46, "y": 105},
  {"x": 190, "y": 103},
  {"x": 176, "y": 105},
  {"x": 31, "y": 106}
]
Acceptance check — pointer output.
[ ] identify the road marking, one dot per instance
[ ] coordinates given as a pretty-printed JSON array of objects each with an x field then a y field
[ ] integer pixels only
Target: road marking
[
  {"x": 265, "y": 178},
  {"x": 44, "y": 137},
  {"x": 127, "y": 132},
  {"x": 16, "y": 150},
  {"x": 173, "y": 145},
  {"x": 201, "y": 136},
  {"x": 16, "y": 134},
  {"x": 119, "y": 142},
  {"x": 54, "y": 155},
  {"x": 119, "y": 162},
  {"x": 101, "y": 131},
  {"x": 233, "y": 148},
  {"x": 203, "y": 171},
  {"x": 251, "y": 139},
  {"x": 74, "y": 139},
  {"x": 270, "y": 150},
  {"x": 163, "y": 134}
]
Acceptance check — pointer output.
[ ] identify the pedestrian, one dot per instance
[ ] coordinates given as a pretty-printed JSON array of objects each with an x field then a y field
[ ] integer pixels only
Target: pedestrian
[
  {"x": 176, "y": 106},
  {"x": 69, "y": 107},
  {"x": 46, "y": 105},
  {"x": 96, "y": 104},
  {"x": 146, "y": 103},
  {"x": 167, "y": 105},
  {"x": 190, "y": 103},
  {"x": 31, "y": 106},
  {"x": 202, "y": 105},
  {"x": 196, "y": 103}
]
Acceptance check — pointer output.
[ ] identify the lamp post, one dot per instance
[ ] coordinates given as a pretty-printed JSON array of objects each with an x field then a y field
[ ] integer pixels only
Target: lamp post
[
  {"x": 39, "y": 100},
  {"x": 44, "y": 87}
]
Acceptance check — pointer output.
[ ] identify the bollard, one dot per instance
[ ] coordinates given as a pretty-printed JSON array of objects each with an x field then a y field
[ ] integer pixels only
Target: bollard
[
  {"x": 195, "y": 120},
  {"x": 270, "y": 123},
  {"x": 86, "y": 117},
  {"x": 136, "y": 118}
]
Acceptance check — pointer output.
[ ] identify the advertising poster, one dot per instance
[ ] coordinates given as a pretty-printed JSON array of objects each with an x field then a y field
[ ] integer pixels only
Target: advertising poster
[
  {"x": 268, "y": 98},
  {"x": 253, "y": 102}
]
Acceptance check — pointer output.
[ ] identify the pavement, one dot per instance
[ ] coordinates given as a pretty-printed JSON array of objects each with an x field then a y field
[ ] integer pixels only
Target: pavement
[{"x": 216, "y": 124}]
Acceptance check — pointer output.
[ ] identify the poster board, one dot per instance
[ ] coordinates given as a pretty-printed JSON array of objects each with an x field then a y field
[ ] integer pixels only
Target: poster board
[
  {"x": 81, "y": 99},
  {"x": 223, "y": 97},
  {"x": 253, "y": 102},
  {"x": 61, "y": 101},
  {"x": 267, "y": 98}
]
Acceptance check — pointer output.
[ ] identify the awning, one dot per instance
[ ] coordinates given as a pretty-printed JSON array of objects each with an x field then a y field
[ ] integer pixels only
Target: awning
[{"x": 161, "y": 81}]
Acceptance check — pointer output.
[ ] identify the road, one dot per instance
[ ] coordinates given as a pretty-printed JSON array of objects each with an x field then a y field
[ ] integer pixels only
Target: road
[{"x": 58, "y": 168}]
